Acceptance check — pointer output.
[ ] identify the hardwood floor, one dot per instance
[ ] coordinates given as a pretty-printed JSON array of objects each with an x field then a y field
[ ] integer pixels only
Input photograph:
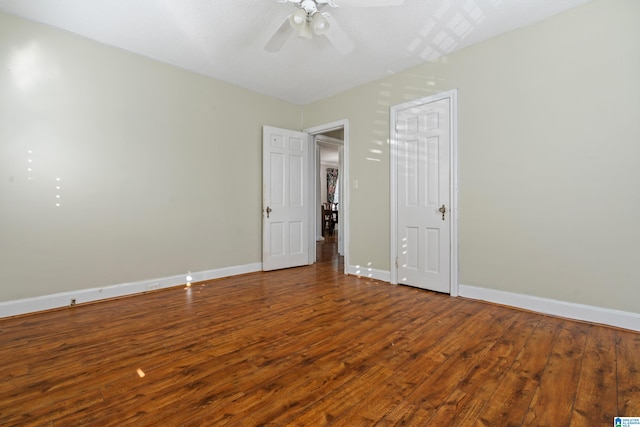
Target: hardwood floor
[{"x": 309, "y": 346}]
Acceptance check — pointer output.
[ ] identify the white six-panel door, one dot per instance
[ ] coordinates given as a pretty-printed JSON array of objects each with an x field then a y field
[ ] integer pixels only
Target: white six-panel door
[
  {"x": 423, "y": 138},
  {"x": 285, "y": 215}
]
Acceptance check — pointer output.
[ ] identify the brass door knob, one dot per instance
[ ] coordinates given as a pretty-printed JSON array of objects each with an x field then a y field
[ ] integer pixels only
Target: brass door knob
[{"x": 442, "y": 210}]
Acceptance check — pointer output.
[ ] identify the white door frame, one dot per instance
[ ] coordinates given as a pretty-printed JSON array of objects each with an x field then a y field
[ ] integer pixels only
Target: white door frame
[
  {"x": 452, "y": 95},
  {"x": 344, "y": 189}
]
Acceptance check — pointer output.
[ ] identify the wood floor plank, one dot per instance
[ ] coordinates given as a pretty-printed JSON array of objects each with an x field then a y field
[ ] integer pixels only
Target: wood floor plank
[
  {"x": 375, "y": 405},
  {"x": 407, "y": 414},
  {"x": 458, "y": 409},
  {"x": 596, "y": 396},
  {"x": 349, "y": 395},
  {"x": 489, "y": 371},
  {"x": 556, "y": 393},
  {"x": 510, "y": 402},
  {"x": 462, "y": 355},
  {"x": 310, "y": 346},
  {"x": 628, "y": 374}
]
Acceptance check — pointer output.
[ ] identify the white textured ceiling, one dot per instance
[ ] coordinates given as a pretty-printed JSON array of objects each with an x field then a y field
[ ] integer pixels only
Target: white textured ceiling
[{"x": 224, "y": 39}]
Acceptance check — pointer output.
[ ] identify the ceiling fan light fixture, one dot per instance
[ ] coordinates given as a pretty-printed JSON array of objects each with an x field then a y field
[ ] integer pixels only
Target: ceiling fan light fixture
[
  {"x": 319, "y": 23},
  {"x": 298, "y": 19}
]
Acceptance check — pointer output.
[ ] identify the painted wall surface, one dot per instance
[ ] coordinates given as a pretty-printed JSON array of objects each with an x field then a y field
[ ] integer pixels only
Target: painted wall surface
[
  {"x": 548, "y": 156},
  {"x": 115, "y": 168}
]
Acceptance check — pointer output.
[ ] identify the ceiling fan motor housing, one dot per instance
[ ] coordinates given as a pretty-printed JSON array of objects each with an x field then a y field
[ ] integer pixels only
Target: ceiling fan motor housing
[{"x": 309, "y": 6}]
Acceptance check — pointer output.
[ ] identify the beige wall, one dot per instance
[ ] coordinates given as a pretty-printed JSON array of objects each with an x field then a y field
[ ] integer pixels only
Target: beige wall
[
  {"x": 548, "y": 156},
  {"x": 160, "y": 168}
]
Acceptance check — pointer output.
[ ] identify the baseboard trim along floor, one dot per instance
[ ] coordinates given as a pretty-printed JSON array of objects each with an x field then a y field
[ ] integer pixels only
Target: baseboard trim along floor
[
  {"x": 63, "y": 299},
  {"x": 593, "y": 314}
]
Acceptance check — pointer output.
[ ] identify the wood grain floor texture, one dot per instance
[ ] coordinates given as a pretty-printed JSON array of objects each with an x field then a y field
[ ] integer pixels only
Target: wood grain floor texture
[{"x": 311, "y": 347}]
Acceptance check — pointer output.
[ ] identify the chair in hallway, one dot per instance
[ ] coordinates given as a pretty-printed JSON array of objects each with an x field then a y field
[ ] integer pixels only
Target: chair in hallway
[{"x": 327, "y": 220}]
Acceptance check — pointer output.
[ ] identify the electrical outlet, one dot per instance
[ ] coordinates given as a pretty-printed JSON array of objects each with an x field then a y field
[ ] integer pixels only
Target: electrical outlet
[{"x": 153, "y": 286}]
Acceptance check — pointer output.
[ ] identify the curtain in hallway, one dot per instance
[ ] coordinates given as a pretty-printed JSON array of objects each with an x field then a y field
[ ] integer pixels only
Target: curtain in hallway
[{"x": 332, "y": 179}]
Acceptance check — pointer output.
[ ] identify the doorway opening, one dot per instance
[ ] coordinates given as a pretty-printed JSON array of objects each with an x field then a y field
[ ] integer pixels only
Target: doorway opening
[{"x": 330, "y": 150}]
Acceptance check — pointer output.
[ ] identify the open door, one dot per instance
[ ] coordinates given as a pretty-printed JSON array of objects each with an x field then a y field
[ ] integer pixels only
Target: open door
[{"x": 285, "y": 198}]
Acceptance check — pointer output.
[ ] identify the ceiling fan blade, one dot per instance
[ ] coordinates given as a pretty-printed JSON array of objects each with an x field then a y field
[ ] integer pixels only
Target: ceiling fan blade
[
  {"x": 337, "y": 35},
  {"x": 368, "y": 3},
  {"x": 280, "y": 37}
]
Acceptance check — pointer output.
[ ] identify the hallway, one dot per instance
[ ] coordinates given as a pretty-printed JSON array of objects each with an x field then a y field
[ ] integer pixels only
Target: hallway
[{"x": 327, "y": 253}]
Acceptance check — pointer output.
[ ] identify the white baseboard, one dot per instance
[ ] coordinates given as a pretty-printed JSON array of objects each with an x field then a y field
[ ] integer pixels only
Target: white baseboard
[
  {"x": 593, "y": 314},
  {"x": 48, "y": 302},
  {"x": 606, "y": 316},
  {"x": 356, "y": 270}
]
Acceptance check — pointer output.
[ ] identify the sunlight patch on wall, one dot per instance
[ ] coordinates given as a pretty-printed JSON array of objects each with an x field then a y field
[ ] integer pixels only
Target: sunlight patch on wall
[
  {"x": 29, "y": 68},
  {"x": 445, "y": 30},
  {"x": 58, "y": 188}
]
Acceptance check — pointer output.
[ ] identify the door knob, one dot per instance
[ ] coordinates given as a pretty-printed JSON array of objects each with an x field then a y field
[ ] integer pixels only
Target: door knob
[
  {"x": 268, "y": 211},
  {"x": 442, "y": 210}
]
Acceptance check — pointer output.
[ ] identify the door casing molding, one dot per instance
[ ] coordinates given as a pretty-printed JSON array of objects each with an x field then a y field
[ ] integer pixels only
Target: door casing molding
[{"x": 452, "y": 95}]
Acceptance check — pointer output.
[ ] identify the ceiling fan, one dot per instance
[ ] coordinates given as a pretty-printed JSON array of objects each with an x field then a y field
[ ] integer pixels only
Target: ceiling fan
[{"x": 307, "y": 20}]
